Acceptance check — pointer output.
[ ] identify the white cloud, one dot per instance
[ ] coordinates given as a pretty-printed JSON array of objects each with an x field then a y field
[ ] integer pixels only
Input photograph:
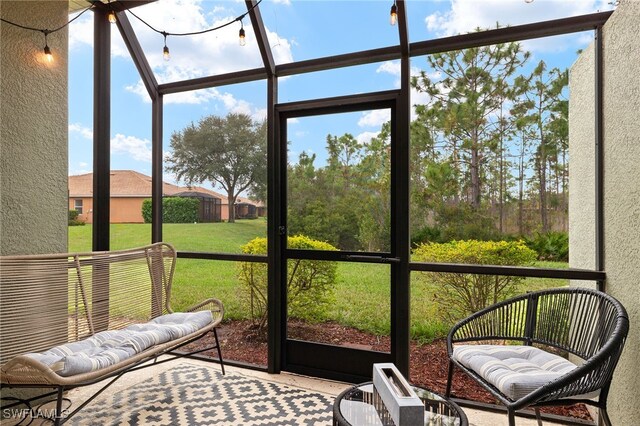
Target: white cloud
[
  {"x": 138, "y": 149},
  {"x": 467, "y": 15},
  {"x": 212, "y": 53},
  {"x": 390, "y": 67},
  {"x": 85, "y": 132},
  {"x": 81, "y": 31},
  {"x": 374, "y": 118},
  {"x": 365, "y": 137}
]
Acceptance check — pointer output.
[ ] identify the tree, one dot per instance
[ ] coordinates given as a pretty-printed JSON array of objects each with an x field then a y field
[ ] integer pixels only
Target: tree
[
  {"x": 465, "y": 98},
  {"x": 229, "y": 151},
  {"x": 549, "y": 121}
]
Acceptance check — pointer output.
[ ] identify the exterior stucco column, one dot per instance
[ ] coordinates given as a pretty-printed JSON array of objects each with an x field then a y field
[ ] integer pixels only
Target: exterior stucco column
[
  {"x": 33, "y": 129},
  {"x": 621, "y": 99}
]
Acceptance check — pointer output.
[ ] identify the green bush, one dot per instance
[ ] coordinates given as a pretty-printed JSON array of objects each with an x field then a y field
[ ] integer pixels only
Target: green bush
[
  {"x": 310, "y": 283},
  {"x": 428, "y": 234},
  {"x": 174, "y": 210},
  {"x": 460, "y": 295},
  {"x": 552, "y": 246},
  {"x": 73, "y": 218}
]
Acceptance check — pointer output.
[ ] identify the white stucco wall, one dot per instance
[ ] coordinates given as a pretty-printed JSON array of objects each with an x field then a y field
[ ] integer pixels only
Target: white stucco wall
[
  {"x": 33, "y": 129},
  {"x": 621, "y": 38}
]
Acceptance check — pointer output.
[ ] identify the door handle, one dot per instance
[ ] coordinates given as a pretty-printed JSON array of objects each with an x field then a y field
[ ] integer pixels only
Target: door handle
[{"x": 371, "y": 259}]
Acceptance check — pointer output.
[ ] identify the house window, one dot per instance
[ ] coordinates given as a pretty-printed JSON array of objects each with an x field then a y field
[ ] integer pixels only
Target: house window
[{"x": 77, "y": 205}]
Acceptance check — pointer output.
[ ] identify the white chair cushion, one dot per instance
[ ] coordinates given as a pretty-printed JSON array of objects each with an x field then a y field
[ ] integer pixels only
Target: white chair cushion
[
  {"x": 515, "y": 370},
  {"x": 108, "y": 348}
]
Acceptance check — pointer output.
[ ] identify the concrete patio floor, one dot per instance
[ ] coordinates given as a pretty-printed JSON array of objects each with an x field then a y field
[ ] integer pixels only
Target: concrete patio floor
[{"x": 476, "y": 417}]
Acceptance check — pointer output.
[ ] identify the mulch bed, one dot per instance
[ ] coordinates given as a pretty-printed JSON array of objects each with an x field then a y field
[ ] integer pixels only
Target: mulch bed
[{"x": 429, "y": 362}]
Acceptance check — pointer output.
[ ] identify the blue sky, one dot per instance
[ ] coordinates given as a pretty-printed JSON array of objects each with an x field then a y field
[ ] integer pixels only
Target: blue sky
[{"x": 297, "y": 30}]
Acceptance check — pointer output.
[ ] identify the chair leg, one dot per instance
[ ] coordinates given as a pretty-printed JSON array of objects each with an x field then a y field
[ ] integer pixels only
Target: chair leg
[
  {"x": 58, "y": 419},
  {"x": 538, "y": 418},
  {"x": 604, "y": 417},
  {"x": 215, "y": 335},
  {"x": 512, "y": 417},
  {"x": 449, "y": 379}
]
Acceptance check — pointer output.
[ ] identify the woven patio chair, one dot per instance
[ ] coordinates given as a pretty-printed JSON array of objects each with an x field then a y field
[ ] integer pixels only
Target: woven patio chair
[{"x": 518, "y": 349}]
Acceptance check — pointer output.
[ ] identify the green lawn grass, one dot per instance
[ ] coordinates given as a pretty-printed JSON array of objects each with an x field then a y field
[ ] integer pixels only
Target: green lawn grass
[{"x": 362, "y": 292}]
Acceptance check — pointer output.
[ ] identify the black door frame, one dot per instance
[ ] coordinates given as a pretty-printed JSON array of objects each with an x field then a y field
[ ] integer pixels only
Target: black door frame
[{"x": 324, "y": 360}]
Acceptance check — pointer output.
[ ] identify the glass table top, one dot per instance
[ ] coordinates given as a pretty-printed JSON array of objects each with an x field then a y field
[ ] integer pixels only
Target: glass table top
[{"x": 356, "y": 407}]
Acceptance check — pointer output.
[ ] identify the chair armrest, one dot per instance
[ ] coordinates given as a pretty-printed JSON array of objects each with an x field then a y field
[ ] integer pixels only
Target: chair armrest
[{"x": 214, "y": 305}]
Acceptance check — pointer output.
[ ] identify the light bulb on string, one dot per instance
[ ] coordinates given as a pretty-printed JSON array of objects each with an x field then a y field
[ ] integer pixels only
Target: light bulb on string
[
  {"x": 47, "y": 50},
  {"x": 47, "y": 53},
  {"x": 528, "y": 1},
  {"x": 112, "y": 17},
  {"x": 165, "y": 50},
  {"x": 243, "y": 40},
  {"x": 393, "y": 17}
]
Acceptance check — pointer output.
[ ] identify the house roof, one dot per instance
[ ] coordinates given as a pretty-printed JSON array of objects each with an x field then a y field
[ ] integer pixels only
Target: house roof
[
  {"x": 124, "y": 183},
  {"x": 129, "y": 183}
]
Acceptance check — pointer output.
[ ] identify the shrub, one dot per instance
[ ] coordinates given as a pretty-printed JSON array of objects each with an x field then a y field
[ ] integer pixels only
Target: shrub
[
  {"x": 460, "y": 295},
  {"x": 310, "y": 283},
  {"x": 428, "y": 234},
  {"x": 174, "y": 210},
  {"x": 550, "y": 246},
  {"x": 73, "y": 218}
]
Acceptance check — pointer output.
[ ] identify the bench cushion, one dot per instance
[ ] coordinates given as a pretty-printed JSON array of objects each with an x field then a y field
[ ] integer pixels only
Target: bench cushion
[
  {"x": 515, "y": 370},
  {"x": 108, "y": 348}
]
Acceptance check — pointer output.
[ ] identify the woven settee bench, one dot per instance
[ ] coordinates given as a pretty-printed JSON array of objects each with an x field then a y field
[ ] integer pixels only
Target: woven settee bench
[{"x": 69, "y": 320}]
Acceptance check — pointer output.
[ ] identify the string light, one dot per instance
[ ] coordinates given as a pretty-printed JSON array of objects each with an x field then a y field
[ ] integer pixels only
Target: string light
[
  {"x": 394, "y": 13},
  {"x": 243, "y": 41},
  {"x": 46, "y": 32},
  {"x": 112, "y": 17},
  {"x": 528, "y": 1},
  {"x": 47, "y": 51},
  {"x": 165, "y": 50}
]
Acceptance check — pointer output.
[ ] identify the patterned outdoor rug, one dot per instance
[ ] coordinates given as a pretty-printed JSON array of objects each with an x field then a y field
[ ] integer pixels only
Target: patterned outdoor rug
[{"x": 195, "y": 395}]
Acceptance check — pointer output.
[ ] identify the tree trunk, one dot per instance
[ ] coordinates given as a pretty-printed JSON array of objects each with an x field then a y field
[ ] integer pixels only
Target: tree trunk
[
  {"x": 231, "y": 199},
  {"x": 542, "y": 170},
  {"x": 501, "y": 189},
  {"x": 475, "y": 173},
  {"x": 521, "y": 188}
]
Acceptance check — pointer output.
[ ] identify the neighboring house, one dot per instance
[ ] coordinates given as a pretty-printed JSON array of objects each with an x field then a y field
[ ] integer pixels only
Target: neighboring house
[{"x": 130, "y": 188}]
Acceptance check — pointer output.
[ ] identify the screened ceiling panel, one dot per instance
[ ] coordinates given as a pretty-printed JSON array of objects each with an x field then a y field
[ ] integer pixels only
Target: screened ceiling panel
[
  {"x": 198, "y": 55},
  {"x": 301, "y": 30},
  {"x": 435, "y": 19}
]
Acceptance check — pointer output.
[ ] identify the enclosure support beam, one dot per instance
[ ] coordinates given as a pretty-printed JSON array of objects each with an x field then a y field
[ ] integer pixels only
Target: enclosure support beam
[
  {"x": 276, "y": 314},
  {"x": 261, "y": 37},
  {"x": 137, "y": 54},
  {"x": 156, "y": 169},
  {"x": 400, "y": 279},
  {"x": 599, "y": 150},
  {"x": 101, "y": 129}
]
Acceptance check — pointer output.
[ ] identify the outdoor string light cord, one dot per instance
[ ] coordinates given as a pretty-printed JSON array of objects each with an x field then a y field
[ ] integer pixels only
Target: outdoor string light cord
[
  {"x": 208, "y": 30},
  {"x": 45, "y": 31}
]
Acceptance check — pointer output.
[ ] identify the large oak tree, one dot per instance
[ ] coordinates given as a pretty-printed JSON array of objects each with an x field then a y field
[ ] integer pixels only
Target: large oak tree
[{"x": 226, "y": 151}]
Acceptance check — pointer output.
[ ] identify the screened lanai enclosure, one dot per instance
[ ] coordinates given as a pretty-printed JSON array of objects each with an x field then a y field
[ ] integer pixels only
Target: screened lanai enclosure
[{"x": 409, "y": 180}]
